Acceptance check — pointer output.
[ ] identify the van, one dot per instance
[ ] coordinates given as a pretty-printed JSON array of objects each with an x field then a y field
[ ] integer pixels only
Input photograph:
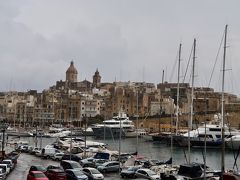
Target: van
[
  {"x": 67, "y": 164},
  {"x": 49, "y": 152}
]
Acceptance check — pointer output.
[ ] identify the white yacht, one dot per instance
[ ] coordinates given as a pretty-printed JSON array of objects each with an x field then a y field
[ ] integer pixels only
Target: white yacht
[
  {"x": 213, "y": 133},
  {"x": 113, "y": 127}
]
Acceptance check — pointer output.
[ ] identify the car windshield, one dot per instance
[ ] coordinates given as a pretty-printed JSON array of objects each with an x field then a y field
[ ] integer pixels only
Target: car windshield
[
  {"x": 39, "y": 175},
  {"x": 75, "y": 165},
  {"x": 78, "y": 173},
  {"x": 40, "y": 168},
  {"x": 151, "y": 173},
  {"x": 132, "y": 168},
  {"x": 95, "y": 171}
]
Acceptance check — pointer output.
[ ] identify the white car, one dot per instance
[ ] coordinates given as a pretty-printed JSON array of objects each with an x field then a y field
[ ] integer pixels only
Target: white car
[
  {"x": 57, "y": 156},
  {"x": 38, "y": 153},
  {"x": 2, "y": 174},
  {"x": 7, "y": 167},
  {"x": 9, "y": 161},
  {"x": 93, "y": 173},
  {"x": 147, "y": 174}
]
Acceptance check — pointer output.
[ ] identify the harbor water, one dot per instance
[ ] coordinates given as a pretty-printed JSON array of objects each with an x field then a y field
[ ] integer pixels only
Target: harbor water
[{"x": 154, "y": 150}]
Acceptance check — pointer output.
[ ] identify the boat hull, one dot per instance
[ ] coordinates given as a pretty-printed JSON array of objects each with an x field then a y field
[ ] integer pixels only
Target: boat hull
[{"x": 107, "y": 132}]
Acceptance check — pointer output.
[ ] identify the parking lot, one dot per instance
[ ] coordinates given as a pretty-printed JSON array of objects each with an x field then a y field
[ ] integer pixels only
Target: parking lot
[{"x": 26, "y": 160}]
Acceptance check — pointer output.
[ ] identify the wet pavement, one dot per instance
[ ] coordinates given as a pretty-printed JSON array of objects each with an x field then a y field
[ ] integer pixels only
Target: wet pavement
[{"x": 26, "y": 160}]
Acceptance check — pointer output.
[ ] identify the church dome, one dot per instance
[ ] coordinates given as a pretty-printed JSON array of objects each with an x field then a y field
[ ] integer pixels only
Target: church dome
[{"x": 71, "y": 69}]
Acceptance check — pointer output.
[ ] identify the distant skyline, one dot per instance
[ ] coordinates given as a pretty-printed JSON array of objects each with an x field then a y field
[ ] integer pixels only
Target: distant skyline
[{"x": 126, "y": 40}]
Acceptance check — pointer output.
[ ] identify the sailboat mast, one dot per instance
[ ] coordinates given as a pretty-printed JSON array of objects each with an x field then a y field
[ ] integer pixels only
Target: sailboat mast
[
  {"x": 179, "y": 61},
  {"x": 192, "y": 94},
  {"x": 137, "y": 123},
  {"x": 222, "y": 110}
]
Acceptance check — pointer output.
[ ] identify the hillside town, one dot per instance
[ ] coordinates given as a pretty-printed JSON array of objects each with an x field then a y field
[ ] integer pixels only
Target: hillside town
[{"x": 73, "y": 101}]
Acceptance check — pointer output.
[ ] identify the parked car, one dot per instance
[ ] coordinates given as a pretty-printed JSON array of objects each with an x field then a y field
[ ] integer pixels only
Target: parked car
[
  {"x": 7, "y": 167},
  {"x": 147, "y": 174},
  {"x": 130, "y": 172},
  {"x": 34, "y": 150},
  {"x": 111, "y": 166},
  {"x": 4, "y": 168},
  {"x": 36, "y": 175},
  {"x": 67, "y": 164},
  {"x": 23, "y": 148},
  {"x": 54, "y": 167},
  {"x": 56, "y": 174},
  {"x": 57, "y": 156},
  {"x": 72, "y": 157},
  {"x": 2, "y": 174},
  {"x": 38, "y": 153},
  {"x": 9, "y": 161},
  {"x": 98, "y": 162},
  {"x": 93, "y": 173},
  {"x": 75, "y": 174},
  {"x": 88, "y": 162},
  {"x": 38, "y": 168}
]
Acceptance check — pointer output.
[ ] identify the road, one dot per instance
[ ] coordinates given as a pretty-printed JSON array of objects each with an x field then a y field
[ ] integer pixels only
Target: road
[{"x": 26, "y": 160}]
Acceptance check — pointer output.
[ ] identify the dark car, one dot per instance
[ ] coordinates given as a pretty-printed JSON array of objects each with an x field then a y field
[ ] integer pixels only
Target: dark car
[
  {"x": 75, "y": 174},
  {"x": 56, "y": 174},
  {"x": 37, "y": 168},
  {"x": 67, "y": 164},
  {"x": 130, "y": 172},
  {"x": 54, "y": 167},
  {"x": 71, "y": 157}
]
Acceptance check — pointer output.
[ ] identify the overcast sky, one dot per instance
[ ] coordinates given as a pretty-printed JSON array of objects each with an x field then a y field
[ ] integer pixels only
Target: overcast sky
[{"x": 127, "y": 40}]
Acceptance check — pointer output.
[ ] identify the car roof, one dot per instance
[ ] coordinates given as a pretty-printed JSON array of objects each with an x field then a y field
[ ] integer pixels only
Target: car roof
[
  {"x": 145, "y": 169},
  {"x": 38, "y": 165},
  {"x": 90, "y": 168},
  {"x": 3, "y": 164},
  {"x": 73, "y": 170},
  {"x": 69, "y": 161},
  {"x": 56, "y": 170}
]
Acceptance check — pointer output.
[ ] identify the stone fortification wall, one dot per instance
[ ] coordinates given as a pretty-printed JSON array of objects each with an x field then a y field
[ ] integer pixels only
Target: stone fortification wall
[{"x": 163, "y": 124}]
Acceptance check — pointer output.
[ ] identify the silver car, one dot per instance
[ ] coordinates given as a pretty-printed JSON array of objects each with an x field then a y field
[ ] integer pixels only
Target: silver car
[
  {"x": 111, "y": 166},
  {"x": 147, "y": 174}
]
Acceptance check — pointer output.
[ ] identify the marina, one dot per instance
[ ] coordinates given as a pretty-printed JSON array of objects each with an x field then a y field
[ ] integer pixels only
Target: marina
[{"x": 119, "y": 90}]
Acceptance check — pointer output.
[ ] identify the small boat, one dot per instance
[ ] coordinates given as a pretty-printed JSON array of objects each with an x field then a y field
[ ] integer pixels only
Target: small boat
[{"x": 137, "y": 132}]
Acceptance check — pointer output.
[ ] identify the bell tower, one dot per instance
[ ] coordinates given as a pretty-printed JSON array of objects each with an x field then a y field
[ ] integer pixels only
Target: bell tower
[{"x": 96, "y": 79}]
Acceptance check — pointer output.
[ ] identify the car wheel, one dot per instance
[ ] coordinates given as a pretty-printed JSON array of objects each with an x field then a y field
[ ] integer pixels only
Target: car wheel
[
  {"x": 57, "y": 159},
  {"x": 104, "y": 171}
]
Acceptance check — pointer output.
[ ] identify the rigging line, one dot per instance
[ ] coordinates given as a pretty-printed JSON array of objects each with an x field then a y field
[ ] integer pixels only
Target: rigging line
[
  {"x": 174, "y": 67},
  {"x": 189, "y": 59},
  {"x": 214, "y": 66}
]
